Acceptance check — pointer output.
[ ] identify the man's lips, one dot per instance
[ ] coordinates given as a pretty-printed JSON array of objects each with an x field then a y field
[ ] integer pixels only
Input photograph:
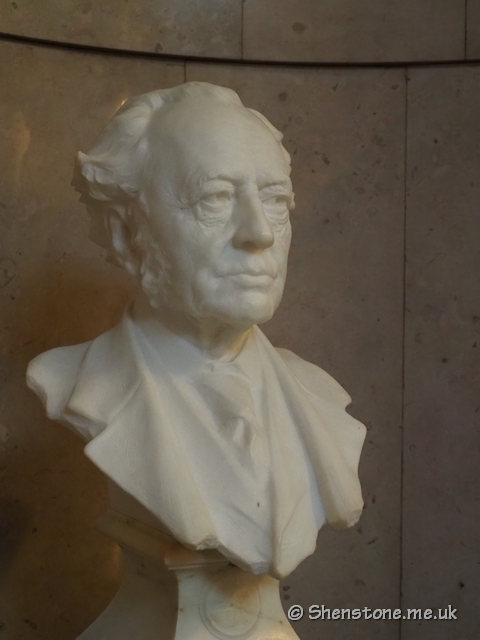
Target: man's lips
[
  {"x": 255, "y": 274},
  {"x": 251, "y": 279},
  {"x": 270, "y": 271}
]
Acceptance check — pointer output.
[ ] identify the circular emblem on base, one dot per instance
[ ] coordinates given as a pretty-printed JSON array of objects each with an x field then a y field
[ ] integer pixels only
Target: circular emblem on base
[{"x": 230, "y": 604}]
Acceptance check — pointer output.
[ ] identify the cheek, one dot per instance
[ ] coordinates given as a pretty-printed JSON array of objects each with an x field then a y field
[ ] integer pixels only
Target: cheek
[
  {"x": 196, "y": 257},
  {"x": 182, "y": 244},
  {"x": 203, "y": 250}
]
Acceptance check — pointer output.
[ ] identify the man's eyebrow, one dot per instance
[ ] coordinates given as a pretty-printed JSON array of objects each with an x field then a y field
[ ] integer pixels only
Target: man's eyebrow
[
  {"x": 228, "y": 177},
  {"x": 234, "y": 179},
  {"x": 198, "y": 181},
  {"x": 238, "y": 177},
  {"x": 286, "y": 182}
]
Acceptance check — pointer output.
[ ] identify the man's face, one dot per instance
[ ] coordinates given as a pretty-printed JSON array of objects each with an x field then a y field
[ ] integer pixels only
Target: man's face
[{"x": 218, "y": 194}]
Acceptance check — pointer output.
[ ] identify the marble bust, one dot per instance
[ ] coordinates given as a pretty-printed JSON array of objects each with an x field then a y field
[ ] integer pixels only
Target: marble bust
[{"x": 230, "y": 443}]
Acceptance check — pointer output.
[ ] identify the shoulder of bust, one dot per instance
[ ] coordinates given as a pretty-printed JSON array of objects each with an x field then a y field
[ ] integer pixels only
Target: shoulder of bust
[
  {"x": 52, "y": 376},
  {"x": 314, "y": 379},
  {"x": 76, "y": 382}
]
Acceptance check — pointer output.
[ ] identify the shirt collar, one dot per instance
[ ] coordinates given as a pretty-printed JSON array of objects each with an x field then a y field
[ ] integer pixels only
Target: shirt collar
[{"x": 164, "y": 349}]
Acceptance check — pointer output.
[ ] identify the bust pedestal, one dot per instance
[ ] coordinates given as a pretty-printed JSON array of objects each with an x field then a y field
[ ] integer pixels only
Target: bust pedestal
[{"x": 169, "y": 592}]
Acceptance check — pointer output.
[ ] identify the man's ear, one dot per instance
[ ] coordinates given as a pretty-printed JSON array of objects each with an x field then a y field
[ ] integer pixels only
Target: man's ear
[{"x": 123, "y": 251}]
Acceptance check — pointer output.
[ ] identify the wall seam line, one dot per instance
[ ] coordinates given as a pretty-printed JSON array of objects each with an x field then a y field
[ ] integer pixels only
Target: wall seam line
[
  {"x": 242, "y": 27},
  {"x": 402, "y": 439},
  {"x": 466, "y": 30},
  {"x": 171, "y": 57}
]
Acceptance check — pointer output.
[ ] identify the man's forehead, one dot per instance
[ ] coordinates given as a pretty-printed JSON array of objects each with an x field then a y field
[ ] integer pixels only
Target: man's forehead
[
  {"x": 264, "y": 173},
  {"x": 194, "y": 125},
  {"x": 221, "y": 143},
  {"x": 200, "y": 113}
]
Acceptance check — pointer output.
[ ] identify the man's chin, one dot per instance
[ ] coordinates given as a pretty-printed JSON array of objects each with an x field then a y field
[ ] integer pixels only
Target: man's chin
[{"x": 247, "y": 310}]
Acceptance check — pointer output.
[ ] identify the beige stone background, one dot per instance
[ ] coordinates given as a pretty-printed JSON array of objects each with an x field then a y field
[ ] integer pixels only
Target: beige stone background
[{"x": 382, "y": 292}]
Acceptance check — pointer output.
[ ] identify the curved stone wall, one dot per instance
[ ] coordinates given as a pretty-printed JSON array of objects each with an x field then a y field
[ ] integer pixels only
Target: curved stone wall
[
  {"x": 343, "y": 31},
  {"x": 381, "y": 293}
]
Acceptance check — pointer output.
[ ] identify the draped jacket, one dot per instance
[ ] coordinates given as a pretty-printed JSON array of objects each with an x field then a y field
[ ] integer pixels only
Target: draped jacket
[{"x": 249, "y": 457}]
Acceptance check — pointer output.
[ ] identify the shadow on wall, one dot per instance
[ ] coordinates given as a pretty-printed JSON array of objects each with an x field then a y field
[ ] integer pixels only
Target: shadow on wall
[
  {"x": 15, "y": 524},
  {"x": 56, "y": 570}
]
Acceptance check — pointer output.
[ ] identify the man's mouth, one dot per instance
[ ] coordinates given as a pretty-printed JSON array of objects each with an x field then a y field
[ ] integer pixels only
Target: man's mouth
[
  {"x": 259, "y": 270},
  {"x": 250, "y": 279}
]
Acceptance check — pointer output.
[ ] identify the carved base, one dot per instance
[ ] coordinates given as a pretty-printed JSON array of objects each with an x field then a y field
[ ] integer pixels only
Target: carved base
[{"x": 171, "y": 593}]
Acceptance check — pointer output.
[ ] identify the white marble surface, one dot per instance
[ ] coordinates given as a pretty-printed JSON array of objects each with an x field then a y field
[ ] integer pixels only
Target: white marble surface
[
  {"x": 182, "y": 594},
  {"x": 191, "y": 192}
]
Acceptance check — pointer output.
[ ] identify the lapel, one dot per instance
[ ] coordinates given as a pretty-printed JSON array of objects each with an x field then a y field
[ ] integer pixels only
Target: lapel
[
  {"x": 332, "y": 438},
  {"x": 116, "y": 392}
]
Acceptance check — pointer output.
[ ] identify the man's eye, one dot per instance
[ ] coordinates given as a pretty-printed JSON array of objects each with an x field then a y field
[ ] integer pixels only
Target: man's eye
[
  {"x": 214, "y": 208},
  {"x": 277, "y": 206},
  {"x": 217, "y": 200}
]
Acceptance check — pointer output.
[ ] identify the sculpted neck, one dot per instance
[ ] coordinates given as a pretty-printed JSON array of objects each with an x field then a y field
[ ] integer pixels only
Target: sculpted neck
[{"x": 218, "y": 340}]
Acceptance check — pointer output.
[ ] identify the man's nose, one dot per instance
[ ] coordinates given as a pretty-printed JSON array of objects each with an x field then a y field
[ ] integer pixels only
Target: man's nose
[{"x": 254, "y": 230}]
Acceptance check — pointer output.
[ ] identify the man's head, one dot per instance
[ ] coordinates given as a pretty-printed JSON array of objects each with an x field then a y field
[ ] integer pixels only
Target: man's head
[{"x": 194, "y": 193}]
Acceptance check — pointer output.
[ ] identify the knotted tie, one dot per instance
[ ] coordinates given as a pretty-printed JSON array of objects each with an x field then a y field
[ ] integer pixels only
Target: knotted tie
[{"x": 226, "y": 391}]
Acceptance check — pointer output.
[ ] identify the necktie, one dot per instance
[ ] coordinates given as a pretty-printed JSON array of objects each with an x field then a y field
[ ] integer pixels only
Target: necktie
[{"x": 227, "y": 393}]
